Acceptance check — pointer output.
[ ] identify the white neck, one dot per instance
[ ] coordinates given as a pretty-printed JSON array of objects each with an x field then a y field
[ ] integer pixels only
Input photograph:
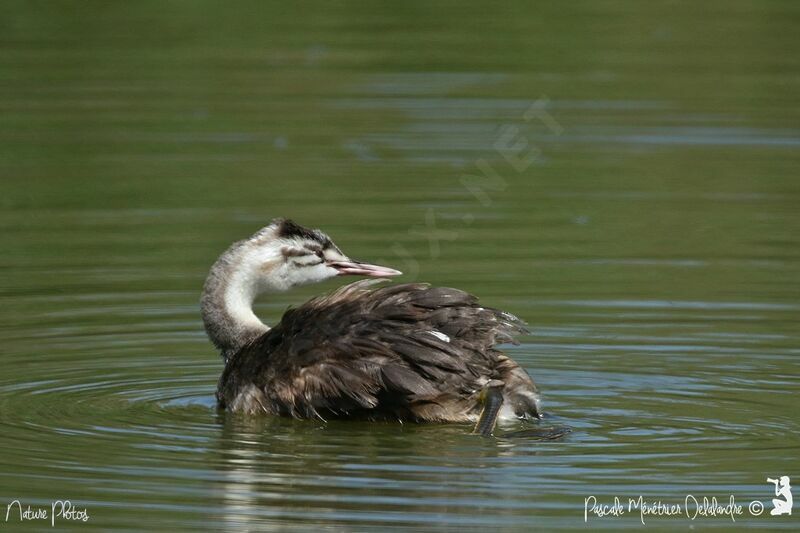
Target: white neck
[
  {"x": 227, "y": 303},
  {"x": 238, "y": 298}
]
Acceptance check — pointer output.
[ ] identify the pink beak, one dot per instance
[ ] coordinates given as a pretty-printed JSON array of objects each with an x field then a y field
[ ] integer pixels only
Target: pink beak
[{"x": 354, "y": 268}]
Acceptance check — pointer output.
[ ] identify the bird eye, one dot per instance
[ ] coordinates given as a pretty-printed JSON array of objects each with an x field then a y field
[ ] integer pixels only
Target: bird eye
[{"x": 320, "y": 254}]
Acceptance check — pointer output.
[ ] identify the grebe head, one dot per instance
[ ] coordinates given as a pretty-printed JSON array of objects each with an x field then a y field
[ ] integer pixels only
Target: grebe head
[
  {"x": 284, "y": 255},
  {"x": 278, "y": 257}
]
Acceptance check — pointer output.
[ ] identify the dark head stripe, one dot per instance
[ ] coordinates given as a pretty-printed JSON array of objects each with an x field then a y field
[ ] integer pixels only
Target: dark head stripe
[{"x": 289, "y": 229}]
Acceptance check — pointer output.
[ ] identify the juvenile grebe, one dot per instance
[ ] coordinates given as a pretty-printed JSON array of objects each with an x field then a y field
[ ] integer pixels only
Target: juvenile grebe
[{"x": 408, "y": 352}]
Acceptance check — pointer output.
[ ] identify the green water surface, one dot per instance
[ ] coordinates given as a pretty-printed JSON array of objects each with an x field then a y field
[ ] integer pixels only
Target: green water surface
[{"x": 622, "y": 175}]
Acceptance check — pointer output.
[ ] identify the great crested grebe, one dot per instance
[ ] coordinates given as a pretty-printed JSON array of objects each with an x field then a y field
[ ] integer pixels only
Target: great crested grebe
[{"x": 407, "y": 352}]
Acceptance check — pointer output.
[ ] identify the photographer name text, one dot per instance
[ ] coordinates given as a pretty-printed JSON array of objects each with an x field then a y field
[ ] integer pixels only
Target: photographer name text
[{"x": 692, "y": 508}]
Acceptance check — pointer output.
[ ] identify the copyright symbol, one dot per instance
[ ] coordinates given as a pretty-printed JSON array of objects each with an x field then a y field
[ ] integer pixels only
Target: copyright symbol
[{"x": 756, "y": 508}]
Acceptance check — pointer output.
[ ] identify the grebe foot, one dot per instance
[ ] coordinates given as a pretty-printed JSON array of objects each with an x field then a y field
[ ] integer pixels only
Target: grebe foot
[{"x": 492, "y": 399}]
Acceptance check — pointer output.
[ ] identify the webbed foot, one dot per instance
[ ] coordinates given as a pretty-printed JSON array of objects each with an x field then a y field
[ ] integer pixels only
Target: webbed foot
[{"x": 492, "y": 399}]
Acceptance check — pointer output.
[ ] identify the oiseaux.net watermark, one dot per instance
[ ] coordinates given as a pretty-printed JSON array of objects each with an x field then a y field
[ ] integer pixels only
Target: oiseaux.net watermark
[{"x": 691, "y": 507}]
